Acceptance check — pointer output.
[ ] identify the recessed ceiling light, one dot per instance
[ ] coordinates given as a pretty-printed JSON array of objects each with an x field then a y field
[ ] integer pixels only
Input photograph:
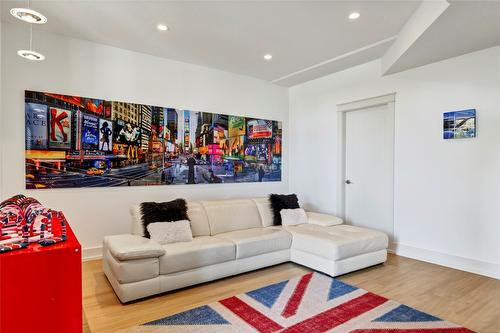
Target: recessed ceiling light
[
  {"x": 162, "y": 27},
  {"x": 268, "y": 56},
  {"x": 31, "y": 55},
  {"x": 354, "y": 16},
  {"x": 28, "y": 15}
]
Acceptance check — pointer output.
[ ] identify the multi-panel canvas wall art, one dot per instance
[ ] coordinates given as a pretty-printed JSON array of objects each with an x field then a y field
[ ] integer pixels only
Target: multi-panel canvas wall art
[
  {"x": 83, "y": 142},
  {"x": 459, "y": 124}
]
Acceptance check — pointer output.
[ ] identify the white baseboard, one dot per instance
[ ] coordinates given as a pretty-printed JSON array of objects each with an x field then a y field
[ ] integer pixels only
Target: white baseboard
[
  {"x": 92, "y": 253},
  {"x": 465, "y": 264}
]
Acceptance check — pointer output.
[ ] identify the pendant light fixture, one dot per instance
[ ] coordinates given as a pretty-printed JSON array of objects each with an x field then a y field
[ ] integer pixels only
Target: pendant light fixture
[
  {"x": 28, "y": 15},
  {"x": 30, "y": 54},
  {"x": 32, "y": 17}
]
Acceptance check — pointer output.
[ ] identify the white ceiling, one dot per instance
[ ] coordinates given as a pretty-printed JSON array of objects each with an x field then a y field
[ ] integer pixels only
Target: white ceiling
[
  {"x": 465, "y": 26},
  {"x": 229, "y": 35},
  {"x": 308, "y": 39}
]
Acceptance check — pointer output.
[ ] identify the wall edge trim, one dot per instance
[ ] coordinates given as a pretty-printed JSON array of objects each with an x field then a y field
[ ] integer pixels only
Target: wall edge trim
[{"x": 489, "y": 269}]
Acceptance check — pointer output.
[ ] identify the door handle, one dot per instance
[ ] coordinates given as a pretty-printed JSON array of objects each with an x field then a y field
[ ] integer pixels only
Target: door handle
[{"x": 348, "y": 182}]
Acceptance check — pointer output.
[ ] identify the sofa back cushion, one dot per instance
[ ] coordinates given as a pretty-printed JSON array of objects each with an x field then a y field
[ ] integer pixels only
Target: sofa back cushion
[
  {"x": 198, "y": 217},
  {"x": 265, "y": 211},
  {"x": 195, "y": 212},
  {"x": 295, "y": 216},
  {"x": 282, "y": 201},
  {"x": 232, "y": 215},
  {"x": 169, "y": 211},
  {"x": 137, "y": 227},
  {"x": 170, "y": 232}
]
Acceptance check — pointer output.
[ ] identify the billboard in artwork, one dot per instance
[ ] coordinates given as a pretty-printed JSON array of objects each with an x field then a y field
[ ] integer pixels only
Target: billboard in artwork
[
  {"x": 36, "y": 126},
  {"x": 105, "y": 135},
  {"x": 60, "y": 128},
  {"x": 259, "y": 129},
  {"x": 76, "y": 141},
  {"x": 90, "y": 132}
]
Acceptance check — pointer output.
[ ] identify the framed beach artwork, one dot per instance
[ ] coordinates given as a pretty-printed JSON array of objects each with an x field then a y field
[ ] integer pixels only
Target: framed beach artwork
[{"x": 459, "y": 124}]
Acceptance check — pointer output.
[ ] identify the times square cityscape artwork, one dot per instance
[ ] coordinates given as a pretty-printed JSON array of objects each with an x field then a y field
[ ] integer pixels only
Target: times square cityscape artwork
[{"x": 83, "y": 142}]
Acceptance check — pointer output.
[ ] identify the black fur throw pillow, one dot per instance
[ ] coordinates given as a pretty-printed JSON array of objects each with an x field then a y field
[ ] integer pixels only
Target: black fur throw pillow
[
  {"x": 282, "y": 201},
  {"x": 170, "y": 211}
]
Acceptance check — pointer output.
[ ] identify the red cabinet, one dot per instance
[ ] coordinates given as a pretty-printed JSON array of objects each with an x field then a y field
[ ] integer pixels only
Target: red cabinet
[{"x": 41, "y": 288}]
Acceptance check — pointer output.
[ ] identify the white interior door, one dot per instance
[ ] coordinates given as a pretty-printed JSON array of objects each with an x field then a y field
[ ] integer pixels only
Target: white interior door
[{"x": 369, "y": 142}]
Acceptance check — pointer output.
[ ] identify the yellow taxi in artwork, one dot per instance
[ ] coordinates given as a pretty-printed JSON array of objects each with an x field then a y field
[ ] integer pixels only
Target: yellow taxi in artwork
[{"x": 94, "y": 172}]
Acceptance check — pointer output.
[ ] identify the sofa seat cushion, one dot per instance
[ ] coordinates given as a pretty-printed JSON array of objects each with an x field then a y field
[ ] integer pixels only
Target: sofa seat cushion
[
  {"x": 252, "y": 242},
  {"x": 337, "y": 242},
  {"x": 201, "y": 251}
]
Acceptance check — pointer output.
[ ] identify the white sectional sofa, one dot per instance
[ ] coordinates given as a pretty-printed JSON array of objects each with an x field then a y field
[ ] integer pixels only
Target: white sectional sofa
[{"x": 232, "y": 237}]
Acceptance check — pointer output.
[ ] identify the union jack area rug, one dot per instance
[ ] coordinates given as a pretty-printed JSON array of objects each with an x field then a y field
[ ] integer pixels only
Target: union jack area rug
[{"x": 311, "y": 303}]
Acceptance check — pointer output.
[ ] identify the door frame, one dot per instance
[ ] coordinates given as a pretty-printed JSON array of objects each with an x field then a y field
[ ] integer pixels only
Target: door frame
[{"x": 389, "y": 100}]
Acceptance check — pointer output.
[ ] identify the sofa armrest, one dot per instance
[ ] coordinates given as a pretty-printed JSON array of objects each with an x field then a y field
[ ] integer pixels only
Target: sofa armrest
[
  {"x": 324, "y": 220},
  {"x": 130, "y": 247}
]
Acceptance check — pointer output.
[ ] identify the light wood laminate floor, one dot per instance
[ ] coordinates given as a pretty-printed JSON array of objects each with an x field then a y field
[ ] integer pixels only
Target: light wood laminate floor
[{"x": 464, "y": 298}]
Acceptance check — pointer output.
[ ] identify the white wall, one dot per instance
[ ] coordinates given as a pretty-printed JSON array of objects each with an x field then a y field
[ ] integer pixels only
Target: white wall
[
  {"x": 447, "y": 206},
  {"x": 447, "y": 192},
  {"x": 77, "y": 67}
]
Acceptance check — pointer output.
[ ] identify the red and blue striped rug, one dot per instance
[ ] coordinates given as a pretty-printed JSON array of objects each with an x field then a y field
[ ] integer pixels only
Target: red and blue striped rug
[{"x": 311, "y": 303}]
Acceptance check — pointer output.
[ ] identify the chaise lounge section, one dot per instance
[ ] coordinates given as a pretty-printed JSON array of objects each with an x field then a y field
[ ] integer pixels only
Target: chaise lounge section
[{"x": 232, "y": 237}]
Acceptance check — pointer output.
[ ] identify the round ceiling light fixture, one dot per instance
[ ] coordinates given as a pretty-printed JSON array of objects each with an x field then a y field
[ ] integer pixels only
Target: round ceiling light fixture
[
  {"x": 28, "y": 15},
  {"x": 31, "y": 55},
  {"x": 162, "y": 27},
  {"x": 268, "y": 57},
  {"x": 354, "y": 16}
]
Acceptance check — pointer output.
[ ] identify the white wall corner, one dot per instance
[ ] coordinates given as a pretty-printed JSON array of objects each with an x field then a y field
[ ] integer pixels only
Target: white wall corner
[
  {"x": 461, "y": 263},
  {"x": 418, "y": 23}
]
